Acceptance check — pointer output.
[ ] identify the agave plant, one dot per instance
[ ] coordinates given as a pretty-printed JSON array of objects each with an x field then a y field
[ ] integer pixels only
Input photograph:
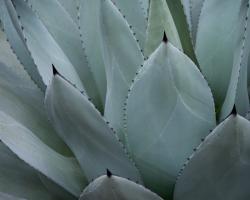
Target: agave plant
[{"x": 124, "y": 99}]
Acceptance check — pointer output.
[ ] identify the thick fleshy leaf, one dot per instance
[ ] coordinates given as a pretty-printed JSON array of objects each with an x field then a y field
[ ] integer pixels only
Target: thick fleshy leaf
[
  {"x": 89, "y": 23},
  {"x": 82, "y": 127},
  {"x": 114, "y": 188},
  {"x": 160, "y": 20},
  {"x": 187, "y": 10},
  {"x": 177, "y": 11},
  {"x": 22, "y": 100},
  {"x": 70, "y": 7},
  {"x": 63, "y": 170},
  {"x": 169, "y": 109},
  {"x": 145, "y": 6},
  {"x": 122, "y": 58},
  {"x": 60, "y": 47},
  {"x": 220, "y": 168},
  {"x": 237, "y": 93},
  {"x": 18, "y": 179},
  {"x": 135, "y": 16},
  {"x": 15, "y": 37},
  {"x": 215, "y": 44},
  {"x": 44, "y": 49},
  {"x": 195, "y": 12}
]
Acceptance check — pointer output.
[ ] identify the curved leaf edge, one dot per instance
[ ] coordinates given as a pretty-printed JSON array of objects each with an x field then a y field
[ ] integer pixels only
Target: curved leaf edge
[{"x": 105, "y": 120}]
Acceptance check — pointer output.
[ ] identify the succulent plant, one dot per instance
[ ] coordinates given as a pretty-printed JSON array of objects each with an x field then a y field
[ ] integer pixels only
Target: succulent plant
[{"x": 124, "y": 99}]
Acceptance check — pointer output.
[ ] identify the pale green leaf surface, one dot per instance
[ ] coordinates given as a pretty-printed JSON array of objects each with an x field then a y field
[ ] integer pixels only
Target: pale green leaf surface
[
  {"x": 169, "y": 109},
  {"x": 237, "y": 93},
  {"x": 135, "y": 16},
  {"x": 44, "y": 49},
  {"x": 18, "y": 179},
  {"x": 195, "y": 12},
  {"x": 70, "y": 6},
  {"x": 145, "y": 6},
  {"x": 82, "y": 127},
  {"x": 215, "y": 44},
  {"x": 89, "y": 23},
  {"x": 21, "y": 99},
  {"x": 178, "y": 14},
  {"x": 187, "y": 10},
  {"x": 122, "y": 58},
  {"x": 220, "y": 168},
  {"x": 160, "y": 20},
  {"x": 67, "y": 35},
  {"x": 16, "y": 39},
  {"x": 114, "y": 188},
  {"x": 65, "y": 171}
]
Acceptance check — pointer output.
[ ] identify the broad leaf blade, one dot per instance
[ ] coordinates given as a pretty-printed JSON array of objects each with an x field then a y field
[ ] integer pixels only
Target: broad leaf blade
[
  {"x": 215, "y": 44},
  {"x": 21, "y": 99},
  {"x": 170, "y": 105},
  {"x": 63, "y": 170},
  {"x": 82, "y": 127},
  {"x": 114, "y": 187},
  {"x": 220, "y": 168},
  {"x": 122, "y": 58}
]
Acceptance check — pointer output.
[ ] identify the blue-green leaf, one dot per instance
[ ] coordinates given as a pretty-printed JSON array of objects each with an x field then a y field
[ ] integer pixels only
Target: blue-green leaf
[
  {"x": 114, "y": 188},
  {"x": 219, "y": 169},
  {"x": 122, "y": 58},
  {"x": 82, "y": 127},
  {"x": 169, "y": 109}
]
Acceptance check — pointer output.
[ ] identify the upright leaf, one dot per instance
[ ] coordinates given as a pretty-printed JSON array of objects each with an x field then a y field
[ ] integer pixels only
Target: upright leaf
[
  {"x": 62, "y": 170},
  {"x": 169, "y": 109},
  {"x": 82, "y": 127},
  {"x": 177, "y": 11},
  {"x": 237, "y": 93},
  {"x": 216, "y": 43},
  {"x": 160, "y": 20},
  {"x": 15, "y": 37},
  {"x": 122, "y": 58},
  {"x": 220, "y": 168},
  {"x": 21, "y": 99},
  {"x": 135, "y": 16},
  {"x": 113, "y": 187}
]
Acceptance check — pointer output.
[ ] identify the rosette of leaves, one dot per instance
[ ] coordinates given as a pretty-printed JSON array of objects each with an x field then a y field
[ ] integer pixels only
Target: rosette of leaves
[{"x": 135, "y": 99}]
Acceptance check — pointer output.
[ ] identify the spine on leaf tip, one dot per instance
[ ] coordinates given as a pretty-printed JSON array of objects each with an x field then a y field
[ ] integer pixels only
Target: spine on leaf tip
[
  {"x": 109, "y": 174},
  {"x": 55, "y": 72},
  {"x": 165, "y": 39},
  {"x": 234, "y": 111}
]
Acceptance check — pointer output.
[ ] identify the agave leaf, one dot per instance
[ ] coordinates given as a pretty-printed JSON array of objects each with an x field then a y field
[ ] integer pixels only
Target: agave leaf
[
  {"x": 177, "y": 11},
  {"x": 187, "y": 11},
  {"x": 16, "y": 39},
  {"x": 135, "y": 16},
  {"x": 195, "y": 12},
  {"x": 18, "y": 179},
  {"x": 113, "y": 187},
  {"x": 82, "y": 127},
  {"x": 216, "y": 42},
  {"x": 222, "y": 162},
  {"x": 160, "y": 20},
  {"x": 70, "y": 7},
  {"x": 169, "y": 109},
  {"x": 63, "y": 170},
  {"x": 89, "y": 23},
  {"x": 122, "y": 58},
  {"x": 44, "y": 48},
  {"x": 21, "y": 99},
  {"x": 60, "y": 41},
  {"x": 237, "y": 90},
  {"x": 145, "y": 6}
]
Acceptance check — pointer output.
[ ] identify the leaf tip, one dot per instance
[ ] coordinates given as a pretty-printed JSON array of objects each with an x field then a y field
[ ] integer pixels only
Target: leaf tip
[
  {"x": 109, "y": 174},
  {"x": 234, "y": 111},
  {"x": 55, "y": 72},
  {"x": 165, "y": 39}
]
